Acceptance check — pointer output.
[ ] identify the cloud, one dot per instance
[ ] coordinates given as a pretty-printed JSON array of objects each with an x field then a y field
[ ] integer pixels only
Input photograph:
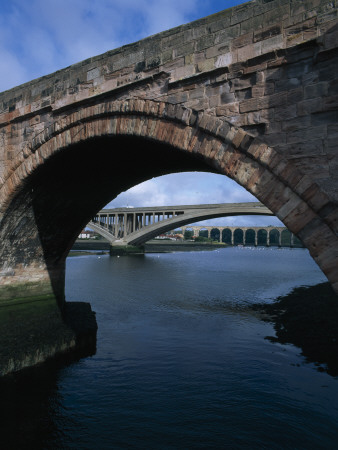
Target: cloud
[
  {"x": 12, "y": 72},
  {"x": 193, "y": 188},
  {"x": 41, "y": 36}
]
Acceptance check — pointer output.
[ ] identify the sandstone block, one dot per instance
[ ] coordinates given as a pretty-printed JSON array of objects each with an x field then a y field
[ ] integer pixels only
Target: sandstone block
[
  {"x": 249, "y": 51},
  {"x": 242, "y": 41},
  {"x": 267, "y": 33},
  {"x": 316, "y": 90},
  {"x": 310, "y": 106},
  {"x": 206, "y": 65}
]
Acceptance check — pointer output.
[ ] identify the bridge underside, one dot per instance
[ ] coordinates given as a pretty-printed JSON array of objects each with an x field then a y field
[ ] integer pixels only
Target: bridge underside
[
  {"x": 73, "y": 174},
  {"x": 69, "y": 189}
]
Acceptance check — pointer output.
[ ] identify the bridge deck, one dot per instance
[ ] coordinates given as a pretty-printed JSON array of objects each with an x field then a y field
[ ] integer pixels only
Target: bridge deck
[{"x": 135, "y": 226}]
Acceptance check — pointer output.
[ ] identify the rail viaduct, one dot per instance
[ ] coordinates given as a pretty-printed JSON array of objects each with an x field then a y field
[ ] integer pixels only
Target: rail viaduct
[
  {"x": 239, "y": 235},
  {"x": 250, "y": 92},
  {"x": 135, "y": 226}
]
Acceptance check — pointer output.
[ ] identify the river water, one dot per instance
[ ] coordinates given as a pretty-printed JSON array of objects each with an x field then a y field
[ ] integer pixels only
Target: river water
[{"x": 181, "y": 360}]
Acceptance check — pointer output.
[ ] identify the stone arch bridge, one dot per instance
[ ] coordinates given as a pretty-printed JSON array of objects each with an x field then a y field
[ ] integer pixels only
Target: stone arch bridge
[
  {"x": 234, "y": 235},
  {"x": 250, "y": 93},
  {"x": 135, "y": 226}
]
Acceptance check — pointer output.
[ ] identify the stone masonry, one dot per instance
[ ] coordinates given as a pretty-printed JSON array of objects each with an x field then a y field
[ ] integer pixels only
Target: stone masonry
[{"x": 250, "y": 92}]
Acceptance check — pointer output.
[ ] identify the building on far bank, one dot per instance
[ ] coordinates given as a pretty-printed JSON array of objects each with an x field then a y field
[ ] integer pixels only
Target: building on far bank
[{"x": 86, "y": 234}]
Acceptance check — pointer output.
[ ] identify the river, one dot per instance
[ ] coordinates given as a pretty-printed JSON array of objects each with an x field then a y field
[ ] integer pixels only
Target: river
[{"x": 182, "y": 361}]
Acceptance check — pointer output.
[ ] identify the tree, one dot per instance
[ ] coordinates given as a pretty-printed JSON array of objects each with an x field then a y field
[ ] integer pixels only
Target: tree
[
  {"x": 188, "y": 234},
  {"x": 202, "y": 239}
]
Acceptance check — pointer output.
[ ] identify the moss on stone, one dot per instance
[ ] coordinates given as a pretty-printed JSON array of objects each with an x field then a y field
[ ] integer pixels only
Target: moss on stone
[
  {"x": 32, "y": 290},
  {"x": 34, "y": 331}
]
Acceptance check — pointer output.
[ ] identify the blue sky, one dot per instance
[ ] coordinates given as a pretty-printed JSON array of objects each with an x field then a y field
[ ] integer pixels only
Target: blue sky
[{"x": 38, "y": 37}]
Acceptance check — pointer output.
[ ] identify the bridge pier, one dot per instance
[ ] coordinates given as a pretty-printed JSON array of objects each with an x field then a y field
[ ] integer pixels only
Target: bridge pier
[
  {"x": 33, "y": 312},
  {"x": 122, "y": 250},
  {"x": 35, "y": 321}
]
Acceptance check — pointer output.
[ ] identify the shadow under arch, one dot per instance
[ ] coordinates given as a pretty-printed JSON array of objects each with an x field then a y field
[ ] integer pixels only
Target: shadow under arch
[{"x": 77, "y": 165}]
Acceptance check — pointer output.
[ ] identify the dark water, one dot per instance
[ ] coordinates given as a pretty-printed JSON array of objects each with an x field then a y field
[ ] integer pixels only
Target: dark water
[{"x": 181, "y": 360}]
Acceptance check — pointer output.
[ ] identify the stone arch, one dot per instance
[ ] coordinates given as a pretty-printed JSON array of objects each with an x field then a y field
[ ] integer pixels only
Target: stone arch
[
  {"x": 274, "y": 235},
  {"x": 238, "y": 236},
  {"x": 215, "y": 234},
  {"x": 203, "y": 232},
  {"x": 262, "y": 237},
  {"x": 250, "y": 237},
  {"x": 227, "y": 236},
  {"x": 214, "y": 143},
  {"x": 187, "y": 228}
]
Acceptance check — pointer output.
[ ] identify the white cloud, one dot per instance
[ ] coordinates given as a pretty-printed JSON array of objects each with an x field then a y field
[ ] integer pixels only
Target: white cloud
[
  {"x": 12, "y": 72},
  {"x": 48, "y": 35},
  {"x": 193, "y": 188}
]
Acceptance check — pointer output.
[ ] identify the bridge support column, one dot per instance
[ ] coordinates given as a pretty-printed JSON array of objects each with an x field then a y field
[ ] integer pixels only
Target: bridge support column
[
  {"x": 124, "y": 225},
  {"x": 122, "y": 250},
  {"x": 35, "y": 321}
]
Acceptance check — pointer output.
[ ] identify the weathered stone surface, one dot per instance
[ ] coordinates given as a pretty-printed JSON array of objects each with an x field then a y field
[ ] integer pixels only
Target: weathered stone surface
[{"x": 250, "y": 92}]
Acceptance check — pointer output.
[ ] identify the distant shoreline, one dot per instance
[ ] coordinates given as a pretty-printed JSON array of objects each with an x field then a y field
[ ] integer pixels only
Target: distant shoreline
[{"x": 153, "y": 246}]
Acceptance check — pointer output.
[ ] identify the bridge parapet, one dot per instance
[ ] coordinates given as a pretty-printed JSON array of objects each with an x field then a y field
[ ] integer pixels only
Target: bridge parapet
[
  {"x": 231, "y": 36},
  {"x": 262, "y": 66}
]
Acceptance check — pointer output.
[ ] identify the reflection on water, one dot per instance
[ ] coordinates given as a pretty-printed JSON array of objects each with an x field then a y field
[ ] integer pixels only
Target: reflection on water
[
  {"x": 308, "y": 318},
  {"x": 181, "y": 360}
]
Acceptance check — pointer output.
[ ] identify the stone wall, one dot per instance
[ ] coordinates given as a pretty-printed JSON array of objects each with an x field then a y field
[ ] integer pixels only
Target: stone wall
[
  {"x": 237, "y": 64},
  {"x": 266, "y": 71}
]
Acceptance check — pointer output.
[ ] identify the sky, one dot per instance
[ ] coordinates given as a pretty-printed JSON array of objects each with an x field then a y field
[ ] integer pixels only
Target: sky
[{"x": 38, "y": 37}]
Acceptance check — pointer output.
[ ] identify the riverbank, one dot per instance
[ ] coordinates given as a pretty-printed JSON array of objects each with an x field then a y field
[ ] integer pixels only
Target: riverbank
[
  {"x": 162, "y": 246},
  {"x": 91, "y": 244},
  {"x": 307, "y": 318},
  {"x": 153, "y": 246},
  {"x": 33, "y": 332}
]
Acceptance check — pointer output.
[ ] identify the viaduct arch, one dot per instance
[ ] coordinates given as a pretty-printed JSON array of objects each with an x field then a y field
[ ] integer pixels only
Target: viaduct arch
[
  {"x": 250, "y": 92},
  {"x": 264, "y": 235}
]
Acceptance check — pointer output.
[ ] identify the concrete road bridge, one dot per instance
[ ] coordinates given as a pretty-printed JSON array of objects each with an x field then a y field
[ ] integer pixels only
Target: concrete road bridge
[
  {"x": 135, "y": 226},
  {"x": 250, "y": 93}
]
